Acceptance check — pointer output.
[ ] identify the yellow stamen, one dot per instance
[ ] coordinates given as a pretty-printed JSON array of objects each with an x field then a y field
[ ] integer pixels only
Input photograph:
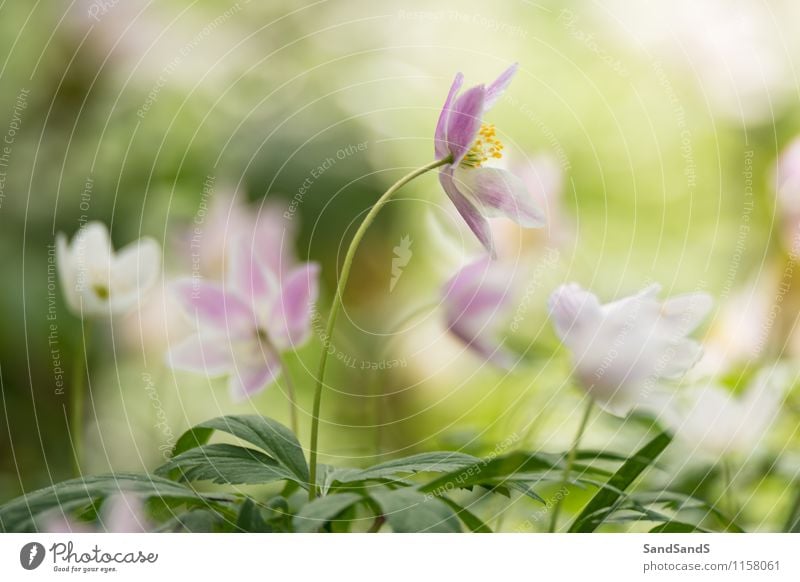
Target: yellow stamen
[{"x": 486, "y": 146}]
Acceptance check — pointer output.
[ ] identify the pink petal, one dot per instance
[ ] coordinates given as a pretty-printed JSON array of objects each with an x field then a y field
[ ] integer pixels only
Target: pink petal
[
  {"x": 474, "y": 300},
  {"x": 290, "y": 323},
  {"x": 500, "y": 193},
  {"x": 248, "y": 278},
  {"x": 208, "y": 356},
  {"x": 464, "y": 121},
  {"x": 251, "y": 378},
  {"x": 499, "y": 86},
  {"x": 212, "y": 309},
  {"x": 274, "y": 237},
  {"x": 440, "y": 135},
  {"x": 471, "y": 215}
]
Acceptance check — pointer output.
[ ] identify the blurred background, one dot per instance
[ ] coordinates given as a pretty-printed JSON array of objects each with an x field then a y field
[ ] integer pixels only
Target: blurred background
[{"x": 649, "y": 131}]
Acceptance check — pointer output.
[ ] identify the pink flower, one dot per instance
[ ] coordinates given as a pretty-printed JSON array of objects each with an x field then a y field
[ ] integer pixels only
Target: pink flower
[
  {"x": 787, "y": 188},
  {"x": 476, "y": 301},
  {"x": 244, "y": 325},
  {"x": 479, "y": 192}
]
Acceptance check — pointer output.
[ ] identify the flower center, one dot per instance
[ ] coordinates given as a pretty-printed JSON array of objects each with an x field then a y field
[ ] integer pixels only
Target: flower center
[
  {"x": 101, "y": 291},
  {"x": 486, "y": 147}
]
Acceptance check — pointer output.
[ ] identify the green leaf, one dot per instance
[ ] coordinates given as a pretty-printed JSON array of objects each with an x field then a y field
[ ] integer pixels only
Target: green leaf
[
  {"x": 605, "y": 500},
  {"x": 250, "y": 519},
  {"x": 470, "y": 519},
  {"x": 20, "y": 514},
  {"x": 676, "y": 527},
  {"x": 510, "y": 468},
  {"x": 437, "y": 462},
  {"x": 224, "y": 463},
  {"x": 267, "y": 434},
  {"x": 316, "y": 514},
  {"x": 409, "y": 511}
]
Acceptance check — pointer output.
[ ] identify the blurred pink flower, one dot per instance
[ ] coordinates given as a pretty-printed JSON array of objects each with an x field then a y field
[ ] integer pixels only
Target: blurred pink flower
[
  {"x": 622, "y": 349},
  {"x": 787, "y": 189},
  {"x": 244, "y": 325},
  {"x": 476, "y": 302},
  {"x": 477, "y": 191},
  {"x": 229, "y": 218}
]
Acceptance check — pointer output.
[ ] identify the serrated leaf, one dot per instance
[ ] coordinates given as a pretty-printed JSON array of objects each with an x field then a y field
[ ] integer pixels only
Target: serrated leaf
[
  {"x": 20, "y": 514},
  {"x": 436, "y": 462},
  {"x": 409, "y": 511},
  {"x": 267, "y": 434},
  {"x": 605, "y": 500},
  {"x": 510, "y": 467},
  {"x": 226, "y": 464},
  {"x": 469, "y": 519},
  {"x": 317, "y": 513}
]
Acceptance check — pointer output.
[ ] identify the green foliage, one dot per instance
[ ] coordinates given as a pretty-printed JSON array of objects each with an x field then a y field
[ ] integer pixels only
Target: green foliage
[{"x": 401, "y": 495}]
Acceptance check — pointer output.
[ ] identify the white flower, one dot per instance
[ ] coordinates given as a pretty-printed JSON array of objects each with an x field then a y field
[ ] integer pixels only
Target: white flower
[
  {"x": 97, "y": 281},
  {"x": 712, "y": 421},
  {"x": 622, "y": 349}
]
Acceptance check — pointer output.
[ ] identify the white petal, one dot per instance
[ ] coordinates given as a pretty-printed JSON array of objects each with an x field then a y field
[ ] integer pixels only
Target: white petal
[{"x": 134, "y": 271}]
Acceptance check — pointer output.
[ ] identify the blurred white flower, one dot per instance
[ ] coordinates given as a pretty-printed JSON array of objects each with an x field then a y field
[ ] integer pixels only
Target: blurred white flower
[
  {"x": 740, "y": 330},
  {"x": 121, "y": 513},
  {"x": 622, "y": 349},
  {"x": 96, "y": 280},
  {"x": 714, "y": 422}
]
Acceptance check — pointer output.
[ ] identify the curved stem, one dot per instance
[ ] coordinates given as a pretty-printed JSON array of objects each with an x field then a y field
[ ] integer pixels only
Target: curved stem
[
  {"x": 337, "y": 304},
  {"x": 571, "y": 461},
  {"x": 78, "y": 401}
]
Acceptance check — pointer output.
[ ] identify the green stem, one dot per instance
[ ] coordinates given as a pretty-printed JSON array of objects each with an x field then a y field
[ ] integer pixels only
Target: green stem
[
  {"x": 728, "y": 496},
  {"x": 78, "y": 402},
  {"x": 337, "y": 304},
  {"x": 571, "y": 461},
  {"x": 793, "y": 521},
  {"x": 291, "y": 395}
]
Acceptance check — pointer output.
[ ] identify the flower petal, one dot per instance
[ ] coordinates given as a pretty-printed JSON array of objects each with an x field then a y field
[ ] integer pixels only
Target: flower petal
[
  {"x": 464, "y": 121},
  {"x": 498, "y": 192},
  {"x": 251, "y": 378},
  {"x": 440, "y": 135},
  {"x": 210, "y": 356},
  {"x": 573, "y": 310},
  {"x": 67, "y": 273},
  {"x": 499, "y": 86},
  {"x": 290, "y": 321},
  {"x": 248, "y": 278},
  {"x": 213, "y": 310},
  {"x": 471, "y": 215},
  {"x": 134, "y": 270},
  {"x": 124, "y": 513},
  {"x": 687, "y": 311}
]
